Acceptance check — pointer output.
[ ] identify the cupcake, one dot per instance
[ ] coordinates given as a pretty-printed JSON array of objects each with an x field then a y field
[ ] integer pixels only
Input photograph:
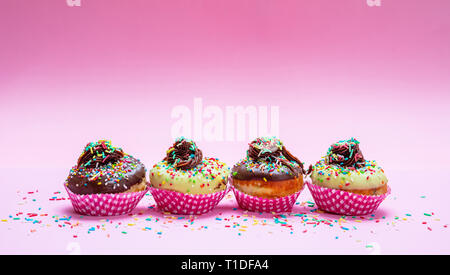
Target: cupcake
[
  {"x": 343, "y": 182},
  {"x": 185, "y": 182},
  {"x": 106, "y": 181},
  {"x": 269, "y": 179}
]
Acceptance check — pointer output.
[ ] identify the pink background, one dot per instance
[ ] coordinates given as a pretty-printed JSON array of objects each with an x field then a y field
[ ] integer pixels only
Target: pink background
[{"x": 115, "y": 69}]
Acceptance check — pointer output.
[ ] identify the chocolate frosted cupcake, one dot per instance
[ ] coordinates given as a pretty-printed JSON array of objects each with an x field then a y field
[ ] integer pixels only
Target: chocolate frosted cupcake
[
  {"x": 344, "y": 182},
  {"x": 269, "y": 171},
  {"x": 102, "y": 168},
  {"x": 185, "y": 182},
  {"x": 105, "y": 170}
]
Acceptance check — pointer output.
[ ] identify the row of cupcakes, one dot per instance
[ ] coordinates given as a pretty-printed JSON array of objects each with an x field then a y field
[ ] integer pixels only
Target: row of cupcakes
[{"x": 106, "y": 181}]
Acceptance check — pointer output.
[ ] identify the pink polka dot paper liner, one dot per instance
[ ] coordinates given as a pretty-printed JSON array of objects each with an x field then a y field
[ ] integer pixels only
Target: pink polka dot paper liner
[
  {"x": 343, "y": 202},
  {"x": 186, "y": 204},
  {"x": 257, "y": 204},
  {"x": 105, "y": 204}
]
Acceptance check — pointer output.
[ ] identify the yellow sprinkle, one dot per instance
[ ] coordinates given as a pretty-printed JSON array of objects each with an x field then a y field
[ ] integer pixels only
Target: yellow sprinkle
[{"x": 265, "y": 179}]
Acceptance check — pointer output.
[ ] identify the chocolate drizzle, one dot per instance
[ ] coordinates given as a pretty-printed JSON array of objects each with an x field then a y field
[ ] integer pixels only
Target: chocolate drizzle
[
  {"x": 99, "y": 153},
  {"x": 184, "y": 154},
  {"x": 346, "y": 153},
  {"x": 272, "y": 150}
]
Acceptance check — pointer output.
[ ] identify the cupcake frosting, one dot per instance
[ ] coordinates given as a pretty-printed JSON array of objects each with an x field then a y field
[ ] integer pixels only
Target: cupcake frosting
[
  {"x": 185, "y": 170},
  {"x": 344, "y": 167},
  {"x": 345, "y": 153},
  {"x": 102, "y": 168},
  {"x": 184, "y": 154},
  {"x": 267, "y": 158}
]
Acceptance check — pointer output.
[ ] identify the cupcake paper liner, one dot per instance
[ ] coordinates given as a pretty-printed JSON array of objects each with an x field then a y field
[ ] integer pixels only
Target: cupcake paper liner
[
  {"x": 105, "y": 204},
  {"x": 257, "y": 204},
  {"x": 343, "y": 202},
  {"x": 186, "y": 204}
]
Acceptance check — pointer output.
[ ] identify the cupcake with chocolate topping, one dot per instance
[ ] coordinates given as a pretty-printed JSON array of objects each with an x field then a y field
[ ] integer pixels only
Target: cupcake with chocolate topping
[
  {"x": 269, "y": 175},
  {"x": 185, "y": 182},
  {"x": 106, "y": 181},
  {"x": 344, "y": 182}
]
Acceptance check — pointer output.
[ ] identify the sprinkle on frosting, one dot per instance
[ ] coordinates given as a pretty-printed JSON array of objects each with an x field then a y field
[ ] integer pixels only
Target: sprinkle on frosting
[
  {"x": 344, "y": 167},
  {"x": 210, "y": 175},
  {"x": 99, "y": 153},
  {"x": 326, "y": 170},
  {"x": 102, "y": 168},
  {"x": 184, "y": 154},
  {"x": 184, "y": 169},
  {"x": 114, "y": 177},
  {"x": 345, "y": 153},
  {"x": 271, "y": 150}
]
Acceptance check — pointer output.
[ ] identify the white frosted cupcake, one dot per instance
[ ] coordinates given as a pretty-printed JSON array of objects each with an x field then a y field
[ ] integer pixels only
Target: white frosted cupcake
[
  {"x": 344, "y": 182},
  {"x": 184, "y": 171},
  {"x": 344, "y": 168}
]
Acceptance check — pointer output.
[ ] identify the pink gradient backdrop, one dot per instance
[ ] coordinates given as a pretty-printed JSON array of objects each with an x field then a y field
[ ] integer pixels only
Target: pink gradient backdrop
[{"x": 115, "y": 69}]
